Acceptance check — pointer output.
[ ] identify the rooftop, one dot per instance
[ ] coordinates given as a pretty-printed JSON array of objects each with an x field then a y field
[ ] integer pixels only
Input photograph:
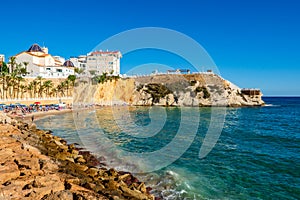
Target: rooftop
[
  {"x": 68, "y": 63},
  {"x": 35, "y": 48}
]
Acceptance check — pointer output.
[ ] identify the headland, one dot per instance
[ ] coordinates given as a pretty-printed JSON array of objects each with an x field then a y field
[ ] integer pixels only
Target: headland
[{"x": 196, "y": 90}]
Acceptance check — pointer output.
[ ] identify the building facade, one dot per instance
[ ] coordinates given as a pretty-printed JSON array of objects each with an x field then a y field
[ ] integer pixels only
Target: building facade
[
  {"x": 2, "y": 58},
  {"x": 39, "y": 62},
  {"x": 99, "y": 62}
]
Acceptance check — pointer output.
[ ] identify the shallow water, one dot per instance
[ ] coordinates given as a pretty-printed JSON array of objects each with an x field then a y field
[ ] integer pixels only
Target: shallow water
[{"x": 257, "y": 155}]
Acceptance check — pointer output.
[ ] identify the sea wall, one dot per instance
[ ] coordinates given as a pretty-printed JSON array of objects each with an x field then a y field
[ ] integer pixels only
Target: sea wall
[
  {"x": 169, "y": 90},
  {"x": 34, "y": 164}
]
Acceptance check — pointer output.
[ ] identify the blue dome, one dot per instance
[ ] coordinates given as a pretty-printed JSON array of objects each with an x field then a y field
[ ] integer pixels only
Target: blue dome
[
  {"x": 35, "y": 48},
  {"x": 68, "y": 63}
]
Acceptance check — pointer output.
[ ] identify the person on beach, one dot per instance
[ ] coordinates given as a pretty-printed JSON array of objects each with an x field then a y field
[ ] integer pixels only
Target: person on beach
[{"x": 32, "y": 118}]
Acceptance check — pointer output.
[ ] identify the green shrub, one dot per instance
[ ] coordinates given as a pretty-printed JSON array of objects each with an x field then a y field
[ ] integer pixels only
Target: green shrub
[
  {"x": 203, "y": 89},
  {"x": 193, "y": 82}
]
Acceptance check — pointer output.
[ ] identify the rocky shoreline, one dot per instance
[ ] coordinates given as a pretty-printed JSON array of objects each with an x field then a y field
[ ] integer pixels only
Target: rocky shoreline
[{"x": 34, "y": 164}]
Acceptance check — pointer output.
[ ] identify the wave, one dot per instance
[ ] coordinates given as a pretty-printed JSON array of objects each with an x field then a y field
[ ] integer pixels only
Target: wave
[
  {"x": 271, "y": 105},
  {"x": 170, "y": 185}
]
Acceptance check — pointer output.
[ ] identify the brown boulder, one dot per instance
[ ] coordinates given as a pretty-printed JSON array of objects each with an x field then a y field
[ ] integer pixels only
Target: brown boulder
[{"x": 8, "y": 171}]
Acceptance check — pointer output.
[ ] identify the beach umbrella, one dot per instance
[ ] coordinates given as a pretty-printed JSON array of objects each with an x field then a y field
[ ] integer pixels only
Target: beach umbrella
[{"x": 37, "y": 102}]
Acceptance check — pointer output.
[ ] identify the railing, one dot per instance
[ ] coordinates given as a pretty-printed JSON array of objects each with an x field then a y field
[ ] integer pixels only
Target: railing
[
  {"x": 159, "y": 73},
  {"x": 251, "y": 91}
]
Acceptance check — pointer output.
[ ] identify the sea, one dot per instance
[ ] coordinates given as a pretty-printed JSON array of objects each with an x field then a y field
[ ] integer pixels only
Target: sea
[{"x": 195, "y": 153}]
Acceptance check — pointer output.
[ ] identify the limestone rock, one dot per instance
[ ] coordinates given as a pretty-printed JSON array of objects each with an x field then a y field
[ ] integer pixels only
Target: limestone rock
[{"x": 8, "y": 171}]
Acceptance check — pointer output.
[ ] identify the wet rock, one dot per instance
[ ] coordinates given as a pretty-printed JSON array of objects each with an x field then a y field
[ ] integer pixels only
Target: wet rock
[
  {"x": 90, "y": 159},
  {"x": 124, "y": 176},
  {"x": 142, "y": 188}
]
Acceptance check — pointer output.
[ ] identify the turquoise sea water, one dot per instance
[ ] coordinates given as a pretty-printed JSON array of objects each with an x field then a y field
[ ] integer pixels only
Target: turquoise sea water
[{"x": 257, "y": 155}]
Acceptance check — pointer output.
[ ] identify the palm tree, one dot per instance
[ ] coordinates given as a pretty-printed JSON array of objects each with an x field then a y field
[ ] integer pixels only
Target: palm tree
[
  {"x": 34, "y": 85},
  {"x": 19, "y": 80},
  {"x": 8, "y": 88},
  {"x": 3, "y": 81},
  {"x": 78, "y": 70},
  {"x": 25, "y": 64},
  {"x": 67, "y": 86},
  {"x": 54, "y": 91},
  {"x": 12, "y": 62},
  {"x": 12, "y": 84},
  {"x": 4, "y": 73},
  {"x": 61, "y": 87},
  {"x": 30, "y": 88},
  {"x": 40, "y": 91},
  {"x": 72, "y": 79},
  {"x": 48, "y": 85},
  {"x": 23, "y": 89}
]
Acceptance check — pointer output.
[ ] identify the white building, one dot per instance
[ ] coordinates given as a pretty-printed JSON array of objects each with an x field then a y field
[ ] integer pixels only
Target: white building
[
  {"x": 40, "y": 63},
  {"x": 60, "y": 59},
  {"x": 2, "y": 58},
  {"x": 99, "y": 62}
]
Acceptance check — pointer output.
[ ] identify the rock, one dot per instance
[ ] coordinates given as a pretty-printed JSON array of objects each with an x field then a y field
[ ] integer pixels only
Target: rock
[
  {"x": 8, "y": 171},
  {"x": 112, "y": 172},
  {"x": 92, "y": 172},
  {"x": 142, "y": 188},
  {"x": 173, "y": 90},
  {"x": 70, "y": 159},
  {"x": 77, "y": 168},
  {"x": 65, "y": 194},
  {"x": 32, "y": 127},
  {"x": 80, "y": 160},
  {"x": 133, "y": 193},
  {"x": 124, "y": 176},
  {"x": 73, "y": 180},
  {"x": 27, "y": 162},
  {"x": 90, "y": 159},
  {"x": 36, "y": 165}
]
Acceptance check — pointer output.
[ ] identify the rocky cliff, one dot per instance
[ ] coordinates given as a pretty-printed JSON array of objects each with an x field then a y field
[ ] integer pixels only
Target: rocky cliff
[{"x": 168, "y": 90}]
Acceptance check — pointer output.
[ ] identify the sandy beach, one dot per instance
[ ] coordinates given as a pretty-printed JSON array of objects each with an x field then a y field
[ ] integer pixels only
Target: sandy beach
[{"x": 39, "y": 115}]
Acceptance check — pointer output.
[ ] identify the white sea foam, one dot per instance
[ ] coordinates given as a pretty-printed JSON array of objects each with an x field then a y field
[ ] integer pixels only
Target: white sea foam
[{"x": 271, "y": 105}]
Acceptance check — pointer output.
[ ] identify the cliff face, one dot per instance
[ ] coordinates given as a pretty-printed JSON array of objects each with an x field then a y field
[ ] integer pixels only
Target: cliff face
[{"x": 172, "y": 90}]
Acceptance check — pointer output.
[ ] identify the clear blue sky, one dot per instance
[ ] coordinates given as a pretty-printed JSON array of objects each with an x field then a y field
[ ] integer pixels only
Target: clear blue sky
[{"x": 254, "y": 43}]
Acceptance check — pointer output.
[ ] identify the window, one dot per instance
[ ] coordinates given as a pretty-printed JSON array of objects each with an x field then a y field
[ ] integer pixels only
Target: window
[
  {"x": 58, "y": 70},
  {"x": 48, "y": 68}
]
